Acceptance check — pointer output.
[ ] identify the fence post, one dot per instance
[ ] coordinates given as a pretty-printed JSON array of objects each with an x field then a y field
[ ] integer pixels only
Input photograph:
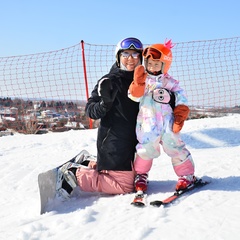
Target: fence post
[{"x": 85, "y": 78}]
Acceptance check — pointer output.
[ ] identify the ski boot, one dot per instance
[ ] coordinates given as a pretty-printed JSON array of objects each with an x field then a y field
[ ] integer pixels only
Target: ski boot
[
  {"x": 185, "y": 182},
  {"x": 141, "y": 182}
]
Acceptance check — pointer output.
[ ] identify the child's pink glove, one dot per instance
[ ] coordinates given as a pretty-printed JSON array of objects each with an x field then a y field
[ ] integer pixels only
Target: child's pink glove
[{"x": 180, "y": 115}]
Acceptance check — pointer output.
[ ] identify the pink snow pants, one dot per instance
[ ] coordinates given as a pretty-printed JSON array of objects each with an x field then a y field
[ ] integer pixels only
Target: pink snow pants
[{"x": 111, "y": 182}]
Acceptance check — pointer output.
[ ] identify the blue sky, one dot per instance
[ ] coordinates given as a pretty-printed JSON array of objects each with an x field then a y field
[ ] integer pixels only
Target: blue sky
[{"x": 33, "y": 26}]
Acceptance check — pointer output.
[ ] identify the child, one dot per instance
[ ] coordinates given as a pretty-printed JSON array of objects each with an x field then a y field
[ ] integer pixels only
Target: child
[{"x": 162, "y": 112}]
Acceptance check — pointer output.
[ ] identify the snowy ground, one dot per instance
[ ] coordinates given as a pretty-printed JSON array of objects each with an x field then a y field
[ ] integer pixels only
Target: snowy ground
[{"x": 211, "y": 214}]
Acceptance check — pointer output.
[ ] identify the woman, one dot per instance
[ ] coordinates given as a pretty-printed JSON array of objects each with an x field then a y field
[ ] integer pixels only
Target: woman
[{"x": 113, "y": 171}]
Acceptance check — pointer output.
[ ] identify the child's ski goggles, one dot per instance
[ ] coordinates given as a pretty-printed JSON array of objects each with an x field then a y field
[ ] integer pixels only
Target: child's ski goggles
[{"x": 152, "y": 53}]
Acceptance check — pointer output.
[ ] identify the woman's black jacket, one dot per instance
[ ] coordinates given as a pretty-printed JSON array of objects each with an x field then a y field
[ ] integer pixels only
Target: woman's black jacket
[{"x": 116, "y": 139}]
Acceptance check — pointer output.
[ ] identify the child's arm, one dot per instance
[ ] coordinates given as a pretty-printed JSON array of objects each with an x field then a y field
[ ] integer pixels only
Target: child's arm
[{"x": 181, "y": 111}]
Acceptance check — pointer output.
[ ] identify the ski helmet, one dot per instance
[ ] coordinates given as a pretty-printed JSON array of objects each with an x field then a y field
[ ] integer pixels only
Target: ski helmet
[
  {"x": 128, "y": 43},
  {"x": 160, "y": 52}
]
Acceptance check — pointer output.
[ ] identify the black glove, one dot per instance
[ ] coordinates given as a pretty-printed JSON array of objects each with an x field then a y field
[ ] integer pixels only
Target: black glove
[
  {"x": 163, "y": 95},
  {"x": 106, "y": 92}
]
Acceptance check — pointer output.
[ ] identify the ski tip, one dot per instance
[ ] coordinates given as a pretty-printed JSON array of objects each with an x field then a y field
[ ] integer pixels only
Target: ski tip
[{"x": 156, "y": 203}]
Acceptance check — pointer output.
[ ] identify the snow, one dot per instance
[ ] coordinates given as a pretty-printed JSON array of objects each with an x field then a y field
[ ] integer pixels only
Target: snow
[{"x": 212, "y": 213}]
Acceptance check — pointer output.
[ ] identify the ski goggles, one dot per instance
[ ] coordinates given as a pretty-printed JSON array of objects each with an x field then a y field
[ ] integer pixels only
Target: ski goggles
[
  {"x": 152, "y": 53},
  {"x": 128, "y": 54},
  {"x": 131, "y": 43}
]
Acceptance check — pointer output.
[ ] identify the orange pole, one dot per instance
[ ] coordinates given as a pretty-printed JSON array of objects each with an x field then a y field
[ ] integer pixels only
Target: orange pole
[{"x": 85, "y": 78}]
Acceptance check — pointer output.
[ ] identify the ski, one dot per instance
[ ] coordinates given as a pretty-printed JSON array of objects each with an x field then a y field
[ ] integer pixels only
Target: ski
[
  {"x": 199, "y": 183},
  {"x": 139, "y": 199}
]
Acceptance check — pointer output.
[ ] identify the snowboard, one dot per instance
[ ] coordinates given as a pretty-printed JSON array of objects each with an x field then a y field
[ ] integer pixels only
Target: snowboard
[
  {"x": 47, "y": 182},
  {"x": 47, "y": 188}
]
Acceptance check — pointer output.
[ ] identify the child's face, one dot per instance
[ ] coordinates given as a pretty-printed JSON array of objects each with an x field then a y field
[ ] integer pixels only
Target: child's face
[{"x": 154, "y": 65}]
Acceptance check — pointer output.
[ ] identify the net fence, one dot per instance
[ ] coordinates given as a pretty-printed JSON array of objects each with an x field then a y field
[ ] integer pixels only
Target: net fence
[{"x": 49, "y": 90}]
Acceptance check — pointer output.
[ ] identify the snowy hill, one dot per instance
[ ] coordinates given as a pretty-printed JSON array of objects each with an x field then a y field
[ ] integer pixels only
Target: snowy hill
[{"x": 211, "y": 214}]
